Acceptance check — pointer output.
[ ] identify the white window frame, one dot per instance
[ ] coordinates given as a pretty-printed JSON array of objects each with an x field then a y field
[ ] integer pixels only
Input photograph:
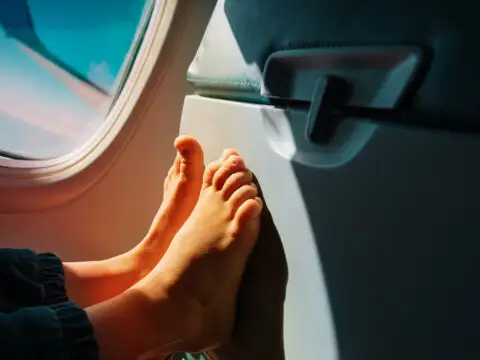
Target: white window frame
[{"x": 27, "y": 185}]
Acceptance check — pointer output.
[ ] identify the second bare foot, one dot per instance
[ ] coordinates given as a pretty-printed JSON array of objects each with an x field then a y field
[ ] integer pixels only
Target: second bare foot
[
  {"x": 204, "y": 265},
  {"x": 258, "y": 332}
]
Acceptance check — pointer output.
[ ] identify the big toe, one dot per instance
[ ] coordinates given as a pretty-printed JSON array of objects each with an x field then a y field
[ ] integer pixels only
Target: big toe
[{"x": 190, "y": 154}]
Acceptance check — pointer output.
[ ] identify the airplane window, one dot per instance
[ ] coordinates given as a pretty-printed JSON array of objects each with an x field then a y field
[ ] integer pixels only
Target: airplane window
[{"x": 62, "y": 64}]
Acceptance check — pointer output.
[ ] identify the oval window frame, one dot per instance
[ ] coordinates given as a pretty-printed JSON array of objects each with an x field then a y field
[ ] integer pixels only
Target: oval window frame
[{"x": 27, "y": 185}]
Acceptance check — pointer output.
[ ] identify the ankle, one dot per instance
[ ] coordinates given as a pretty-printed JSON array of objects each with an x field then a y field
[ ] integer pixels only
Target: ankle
[
  {"x": 169, "y": 316},
  {"x": 200, "y": 324},
  {"x": 145, "y": 256}
]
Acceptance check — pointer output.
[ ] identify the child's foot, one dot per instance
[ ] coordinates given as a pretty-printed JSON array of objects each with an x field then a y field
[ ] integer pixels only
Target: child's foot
[
  {"x": 258, "y": 332},
  {"x": 205, "y": 262},
  {"x": 115, "y": 275},
  {"x": 181, "y": 190}
]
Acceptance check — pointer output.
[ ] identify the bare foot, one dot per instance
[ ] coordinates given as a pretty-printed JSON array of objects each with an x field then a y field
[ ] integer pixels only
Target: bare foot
[
  {"x": 181, "y": 190},
  {"x": 204, "y": 264},
  {"x": 111, "y": 277},
  {"x": 258, "y": 332}
]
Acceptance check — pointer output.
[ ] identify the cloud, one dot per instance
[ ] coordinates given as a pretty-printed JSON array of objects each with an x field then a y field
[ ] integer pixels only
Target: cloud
[{"x": 100, "y": 74}]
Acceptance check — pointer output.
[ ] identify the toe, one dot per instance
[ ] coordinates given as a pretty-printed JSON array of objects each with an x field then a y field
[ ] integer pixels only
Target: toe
[
  {"x": 232, "y": 165},
  {"x": 235, "y": 181},
  {"x": 190, "y": 159},
  {"x": 189, "y": 151},
  {"x": 213, "y": 167},
  {"x": 175, "y": 169},
  {"x": 241, "y": 195},
  {"x": 209, "y": 173},
  {"x": 172, "y": 171},
  {"x": 248, "y": 210},
  {"x": 227, "y": 153}
]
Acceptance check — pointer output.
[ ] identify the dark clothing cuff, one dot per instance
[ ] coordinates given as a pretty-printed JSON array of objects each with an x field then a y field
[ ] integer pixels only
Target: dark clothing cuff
[
  {"x": 77, "y": 332},
  {"x": 37, "y": 321},
  {"x": 19, "y": 280},
  {"x": 28, "y": 279},
  {"x": 51, "y": 275},
  {"x": 60, "y": 332}
]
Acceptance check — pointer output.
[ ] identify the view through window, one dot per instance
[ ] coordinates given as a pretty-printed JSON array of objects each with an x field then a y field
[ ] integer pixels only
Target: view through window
[{"x": 62, "y": 63}]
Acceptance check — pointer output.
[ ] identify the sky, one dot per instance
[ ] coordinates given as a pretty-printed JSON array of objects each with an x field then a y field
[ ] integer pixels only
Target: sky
[
  {"x": 39, "y": 115},
  {"x": 92, "y": 36}
]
